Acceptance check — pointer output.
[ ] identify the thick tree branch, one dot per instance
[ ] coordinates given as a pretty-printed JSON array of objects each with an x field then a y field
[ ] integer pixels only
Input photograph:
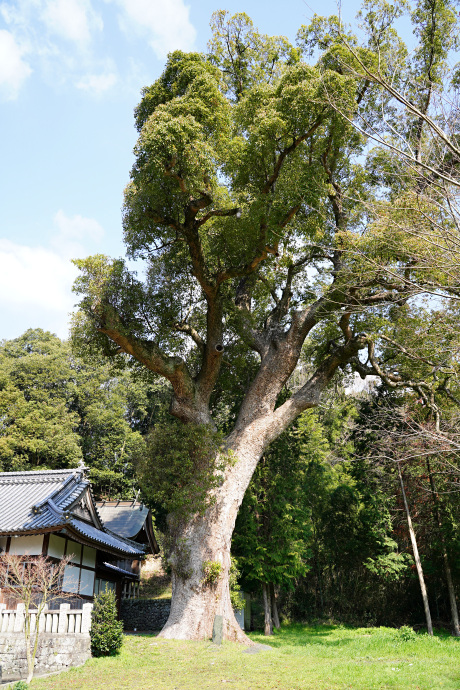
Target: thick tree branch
[
  {"x": 146, "y": 352},
  {"x": 213, "y": 348},
  {"x": 287, "y": 151},
  {"x": 253, "y": 338},
  {"x": 344, "y": 324},
  {"x": 310, "y": 393},
  {"x": 184, "y": 327},
  {"x": 198, "y": 204},
  {"x": 290, "y": 215},
  {"x": 197, "y": 257},
  {"x": 221, "y": 213},
  {"x": 169, "y": 172},
  {"x": 282, "y": 304},
  {"x": 245, "y": 269},
  {"x": 362, "y": 369},
  {"x": 151, "y": 214}
]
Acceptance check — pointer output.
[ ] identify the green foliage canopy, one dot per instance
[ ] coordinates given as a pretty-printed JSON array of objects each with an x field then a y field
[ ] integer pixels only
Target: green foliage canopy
[
  {"x": 57, "y": 410},
  {"x": 255, "y": 201}
]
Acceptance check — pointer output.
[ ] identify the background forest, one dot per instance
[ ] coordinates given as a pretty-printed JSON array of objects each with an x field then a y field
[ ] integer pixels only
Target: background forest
[{"x": 322, "y": 529}]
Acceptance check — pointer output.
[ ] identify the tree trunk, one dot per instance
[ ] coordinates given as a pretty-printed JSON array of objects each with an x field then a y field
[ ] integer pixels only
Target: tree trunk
[
  {"x": 268, "y": 628},
  {"x": 418, "y": 562},
  {"x": 275, "y": 617},
  {"x": 447, "y": 570},
  {"x": 195, "y": 603},
  {"x": 207, "y": 537},
  {"x": 451, "y": 591},
  {"x": 27, "y": 635},
  {"x": 30, "y": 667}
]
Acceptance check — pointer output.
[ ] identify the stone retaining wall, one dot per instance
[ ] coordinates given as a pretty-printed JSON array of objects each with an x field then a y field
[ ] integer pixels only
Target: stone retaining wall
[
  {"x": 144, "y": 614},
  {"x": 55, "y": 653}
]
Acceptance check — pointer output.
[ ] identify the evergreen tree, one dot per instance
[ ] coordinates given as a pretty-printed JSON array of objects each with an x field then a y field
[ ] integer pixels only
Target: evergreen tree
[
  {"x": 106, "y": 631},
  {"x": 267, "y": 224},
  {"x": 58, "y": 410}
]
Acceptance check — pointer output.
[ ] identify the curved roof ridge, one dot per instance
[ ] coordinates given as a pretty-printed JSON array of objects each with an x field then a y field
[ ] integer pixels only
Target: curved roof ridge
[
  {"x": 67, "y": 470},
  {"x": 38, "y": 476}
]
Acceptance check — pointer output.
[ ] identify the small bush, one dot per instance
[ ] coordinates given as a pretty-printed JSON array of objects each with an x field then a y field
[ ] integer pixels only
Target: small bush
[
  {"x": 21, "y": 685},
  {"x": 211, "y": 572},
  {"x": 406, "y": 633},
  {"x": 106, "y": 630}
]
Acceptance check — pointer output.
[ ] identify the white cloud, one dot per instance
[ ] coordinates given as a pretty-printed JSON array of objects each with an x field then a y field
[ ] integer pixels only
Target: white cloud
[
  {"x": 73, "y": 20},
  {"x": 59, "y": 35},
  {"x": 357, "y": 385},
  {"x": 73, "y": 233},
  {"x": 36, "y": 282},
  {"x": 13, "y": 68},
  {"x": 18, "y": 13},
  {"x": 97, "y": 83},
  {"x": 165, "y": 22},
  {"x": 34, "y": 276}
]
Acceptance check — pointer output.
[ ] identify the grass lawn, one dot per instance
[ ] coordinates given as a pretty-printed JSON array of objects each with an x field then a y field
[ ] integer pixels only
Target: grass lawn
[{"x": 302, "y": 658}]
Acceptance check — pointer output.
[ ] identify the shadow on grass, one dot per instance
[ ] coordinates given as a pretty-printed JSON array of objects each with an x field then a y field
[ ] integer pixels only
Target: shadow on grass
[{"x": 297, "y": 635}]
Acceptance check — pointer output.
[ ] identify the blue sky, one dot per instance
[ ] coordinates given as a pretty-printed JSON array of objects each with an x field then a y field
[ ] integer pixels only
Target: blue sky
[{"x": 70, "y": 76}]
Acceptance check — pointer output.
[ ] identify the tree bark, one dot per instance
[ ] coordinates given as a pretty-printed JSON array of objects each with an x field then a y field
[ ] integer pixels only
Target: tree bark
[
  {"x": 195, "y": 602},
  {"x": 268, "y": 628},
  {"x": 418, "y": 562},
  {"x": 208, "y": 538},
  {"x": 29, "y": 656},
  {"x": 447, "y": 570},
  {"x": 451, "y": 591},
  {"x": 275, "y": 616}
]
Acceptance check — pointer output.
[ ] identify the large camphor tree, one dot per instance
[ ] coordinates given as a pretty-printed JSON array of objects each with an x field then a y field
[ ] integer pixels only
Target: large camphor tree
[{"x": 252, "y": 204}]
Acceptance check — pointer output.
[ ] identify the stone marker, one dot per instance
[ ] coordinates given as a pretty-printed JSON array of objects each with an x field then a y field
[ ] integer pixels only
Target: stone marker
[{"x": 218, "y": 629}]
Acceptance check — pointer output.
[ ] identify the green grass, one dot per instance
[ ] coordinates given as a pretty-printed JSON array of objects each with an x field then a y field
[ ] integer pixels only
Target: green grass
[{"x": 301, "y": 658}]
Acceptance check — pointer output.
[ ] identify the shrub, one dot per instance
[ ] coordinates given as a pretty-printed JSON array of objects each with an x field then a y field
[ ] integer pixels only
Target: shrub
[
  {"x": 211, "y": 572},
  {"x": 406, "y": 633},
  {"x": 21, "y": 685},
  {"x": 106, "y": 630}
]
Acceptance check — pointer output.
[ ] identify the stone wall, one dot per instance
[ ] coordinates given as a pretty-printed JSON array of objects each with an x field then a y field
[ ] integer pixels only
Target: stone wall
[
  {"x": 144, "y": 614},
  {"x": 55, "y": 653}
]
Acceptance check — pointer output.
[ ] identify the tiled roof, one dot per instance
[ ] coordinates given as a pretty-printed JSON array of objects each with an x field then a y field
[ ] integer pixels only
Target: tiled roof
[
  {"x": 107, "y": 538},
  {"x": 125, "y": 519},
  {"x": 20, "y": 491},
  {"x": 130, "y": 519},
  {"x": 110, "y": 566},
  {"x": 43, "y": 500}
]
